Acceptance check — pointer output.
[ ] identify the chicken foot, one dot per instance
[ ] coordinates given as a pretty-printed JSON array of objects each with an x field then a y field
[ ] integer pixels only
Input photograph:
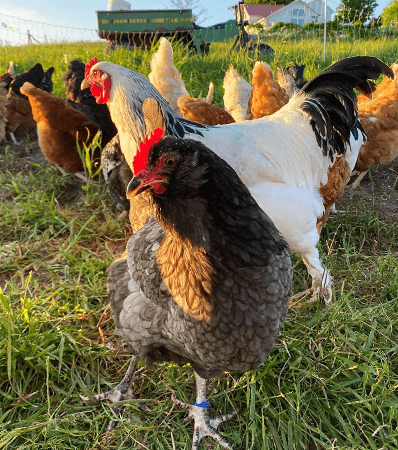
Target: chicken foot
[
  {"x": 204, "y": 424},
  {"x": 358, "y": 180},
  {"x": 14, "y": 141},
  {"x": 123, "y": 391}
]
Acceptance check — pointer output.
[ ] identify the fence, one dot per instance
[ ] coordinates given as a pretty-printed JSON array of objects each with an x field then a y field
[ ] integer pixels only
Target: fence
[{"x": 16, "y": 31}]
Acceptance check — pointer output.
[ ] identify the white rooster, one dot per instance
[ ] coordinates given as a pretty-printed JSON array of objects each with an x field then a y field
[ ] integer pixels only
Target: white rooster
[{"x": 295, "y": 162}]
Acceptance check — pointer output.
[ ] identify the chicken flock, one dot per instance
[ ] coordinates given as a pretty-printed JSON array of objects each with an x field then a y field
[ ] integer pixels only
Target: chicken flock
[{"x": 216, "y": 197}]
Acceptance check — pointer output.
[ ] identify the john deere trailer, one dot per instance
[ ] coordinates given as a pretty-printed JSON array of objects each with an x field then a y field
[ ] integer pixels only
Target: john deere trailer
[{"x": 141, "y": 28}]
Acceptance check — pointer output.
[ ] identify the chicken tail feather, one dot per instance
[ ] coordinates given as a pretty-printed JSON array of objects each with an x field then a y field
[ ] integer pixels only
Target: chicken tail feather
[{"x": 331, "y": 103}]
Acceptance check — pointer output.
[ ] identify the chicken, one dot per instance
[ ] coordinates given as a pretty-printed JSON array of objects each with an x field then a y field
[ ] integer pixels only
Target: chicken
[
  {"x": 193, "y": 288},
  {"x": 83, "y": 101},
  {"x": 297, "y": 72},
  {"x": 19, "y": 115},
  {"x": 19, "y": 111},
  {"x": 237, "y": 92},
  {"x": 167, "y": 79},
  {"x": 46, "y": 83},
  {"x": 203, "y": 112},
  {"x": 267, "y": 96},
  {"x": 5, "y": 81},
  {"x": 34, "y": 75},
  {"x": 290, "y": 160},
  {"x": 292, "y": 78},
  {"x": 379, "y": 117},
  {"x": 117, "y": 174},
  {"x": 58, "y": 128}
]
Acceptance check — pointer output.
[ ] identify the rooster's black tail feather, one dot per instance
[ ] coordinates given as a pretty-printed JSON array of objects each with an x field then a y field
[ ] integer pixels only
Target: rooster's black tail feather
[{"x": 331, "y": 103}]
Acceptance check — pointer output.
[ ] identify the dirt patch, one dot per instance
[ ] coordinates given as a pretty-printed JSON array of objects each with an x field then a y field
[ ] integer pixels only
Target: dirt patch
[
  {"x": 23, "y": 154},
  {"x": 379, "y": 190}
]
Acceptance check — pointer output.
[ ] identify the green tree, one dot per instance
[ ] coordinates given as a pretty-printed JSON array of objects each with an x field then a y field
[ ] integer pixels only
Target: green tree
[
  {"x": 389, "y": 16},
  {"x": 355, "y": 10}
]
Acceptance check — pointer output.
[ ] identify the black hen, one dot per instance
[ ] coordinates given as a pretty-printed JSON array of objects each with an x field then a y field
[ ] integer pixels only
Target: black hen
[
  {"x": 46, "y": 83},
  {"x": 117, "y": 172},
  {"x": 36, "y": 76},
  {"x": 207, "y": 281},
  {"x": 83, "y": 101},
  {"x": 297, "y": 72}
]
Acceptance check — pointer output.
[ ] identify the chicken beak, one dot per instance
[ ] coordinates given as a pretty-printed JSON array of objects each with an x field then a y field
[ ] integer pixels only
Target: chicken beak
[
  {"x": 135, "y": 187},
  {"x": 85, "y": 84}
]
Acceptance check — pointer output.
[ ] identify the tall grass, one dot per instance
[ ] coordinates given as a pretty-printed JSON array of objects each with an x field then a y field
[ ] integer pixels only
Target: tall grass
[
  {"x": 330, "y": 383},
  {"x": 197, "y": 70}
]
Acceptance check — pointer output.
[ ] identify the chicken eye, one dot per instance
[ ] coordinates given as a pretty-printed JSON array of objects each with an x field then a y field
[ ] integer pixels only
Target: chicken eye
[
  {"x": 169, "y": 162},
  {"x": 95, "y": 73}
]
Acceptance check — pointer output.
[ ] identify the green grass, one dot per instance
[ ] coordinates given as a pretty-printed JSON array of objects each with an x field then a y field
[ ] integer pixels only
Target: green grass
[{"x": 330, "y": 383}]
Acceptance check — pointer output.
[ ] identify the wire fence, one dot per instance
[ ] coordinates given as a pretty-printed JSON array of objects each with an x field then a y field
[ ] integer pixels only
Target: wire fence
[{"x": 17, "y": 31}]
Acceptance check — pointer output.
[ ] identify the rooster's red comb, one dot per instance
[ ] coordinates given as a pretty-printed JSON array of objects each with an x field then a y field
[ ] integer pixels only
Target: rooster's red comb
[
  {"x": 89, "y": 65},
  {"x": 141, "y": 157}
]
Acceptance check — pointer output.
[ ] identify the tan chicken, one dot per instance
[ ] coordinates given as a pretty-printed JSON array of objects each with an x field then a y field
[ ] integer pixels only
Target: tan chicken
[
  {"x": 379, "y": 117},
  {"x": 5, "y": 81},
  {"x": 167, "y": 79},
  {"x": 267, "y": 96},
  {"x": 200, "y": 111},
  {"x": 57, "y": 127},
  {"x": 236, "y": 94}
]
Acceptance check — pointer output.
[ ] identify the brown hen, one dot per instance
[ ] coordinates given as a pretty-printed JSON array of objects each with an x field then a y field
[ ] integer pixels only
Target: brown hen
[
  {"x": 58, "y": 127},
  {"x": 267, "y": 96},
  {"x": 379, "y": 117},
  {"x": 5, "y": 81},
  {"x": 200, "y": 111}
]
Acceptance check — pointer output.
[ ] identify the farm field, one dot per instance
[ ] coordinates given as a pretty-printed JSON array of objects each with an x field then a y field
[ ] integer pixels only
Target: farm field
[{"x": 331, "y": 381}]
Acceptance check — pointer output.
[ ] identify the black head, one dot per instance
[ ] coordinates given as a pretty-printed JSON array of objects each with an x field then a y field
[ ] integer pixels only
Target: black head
[{"x": 174, "y": 167}]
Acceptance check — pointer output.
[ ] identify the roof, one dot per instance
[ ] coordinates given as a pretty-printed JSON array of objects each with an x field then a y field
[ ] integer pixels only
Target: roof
[
  {"x": 305, "y": 5},
  {"x": 261, "y": 10}
]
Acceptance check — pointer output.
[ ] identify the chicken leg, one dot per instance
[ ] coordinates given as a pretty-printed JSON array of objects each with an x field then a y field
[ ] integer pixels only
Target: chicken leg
[
  {"x": 204, "y": 424},
  {"x": 123, "y": 391}
]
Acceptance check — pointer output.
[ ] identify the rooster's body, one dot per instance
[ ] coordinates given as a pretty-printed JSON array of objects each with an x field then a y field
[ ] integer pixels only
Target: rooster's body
[{"x": 285, "y": 159}]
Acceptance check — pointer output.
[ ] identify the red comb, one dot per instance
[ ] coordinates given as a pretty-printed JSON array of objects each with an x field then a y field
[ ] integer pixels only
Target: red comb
[
  {"x": 89, "y": 65},
  {"x": 141, "y": 157}
]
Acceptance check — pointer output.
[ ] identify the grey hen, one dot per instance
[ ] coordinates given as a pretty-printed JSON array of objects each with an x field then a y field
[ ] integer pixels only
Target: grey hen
[{"x": 207, "y": 280}]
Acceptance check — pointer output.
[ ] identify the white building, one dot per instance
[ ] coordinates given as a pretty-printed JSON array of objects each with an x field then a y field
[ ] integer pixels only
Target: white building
[
  {"x": 319, "y": 7},
  {"x": 299, "y": 13}
]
